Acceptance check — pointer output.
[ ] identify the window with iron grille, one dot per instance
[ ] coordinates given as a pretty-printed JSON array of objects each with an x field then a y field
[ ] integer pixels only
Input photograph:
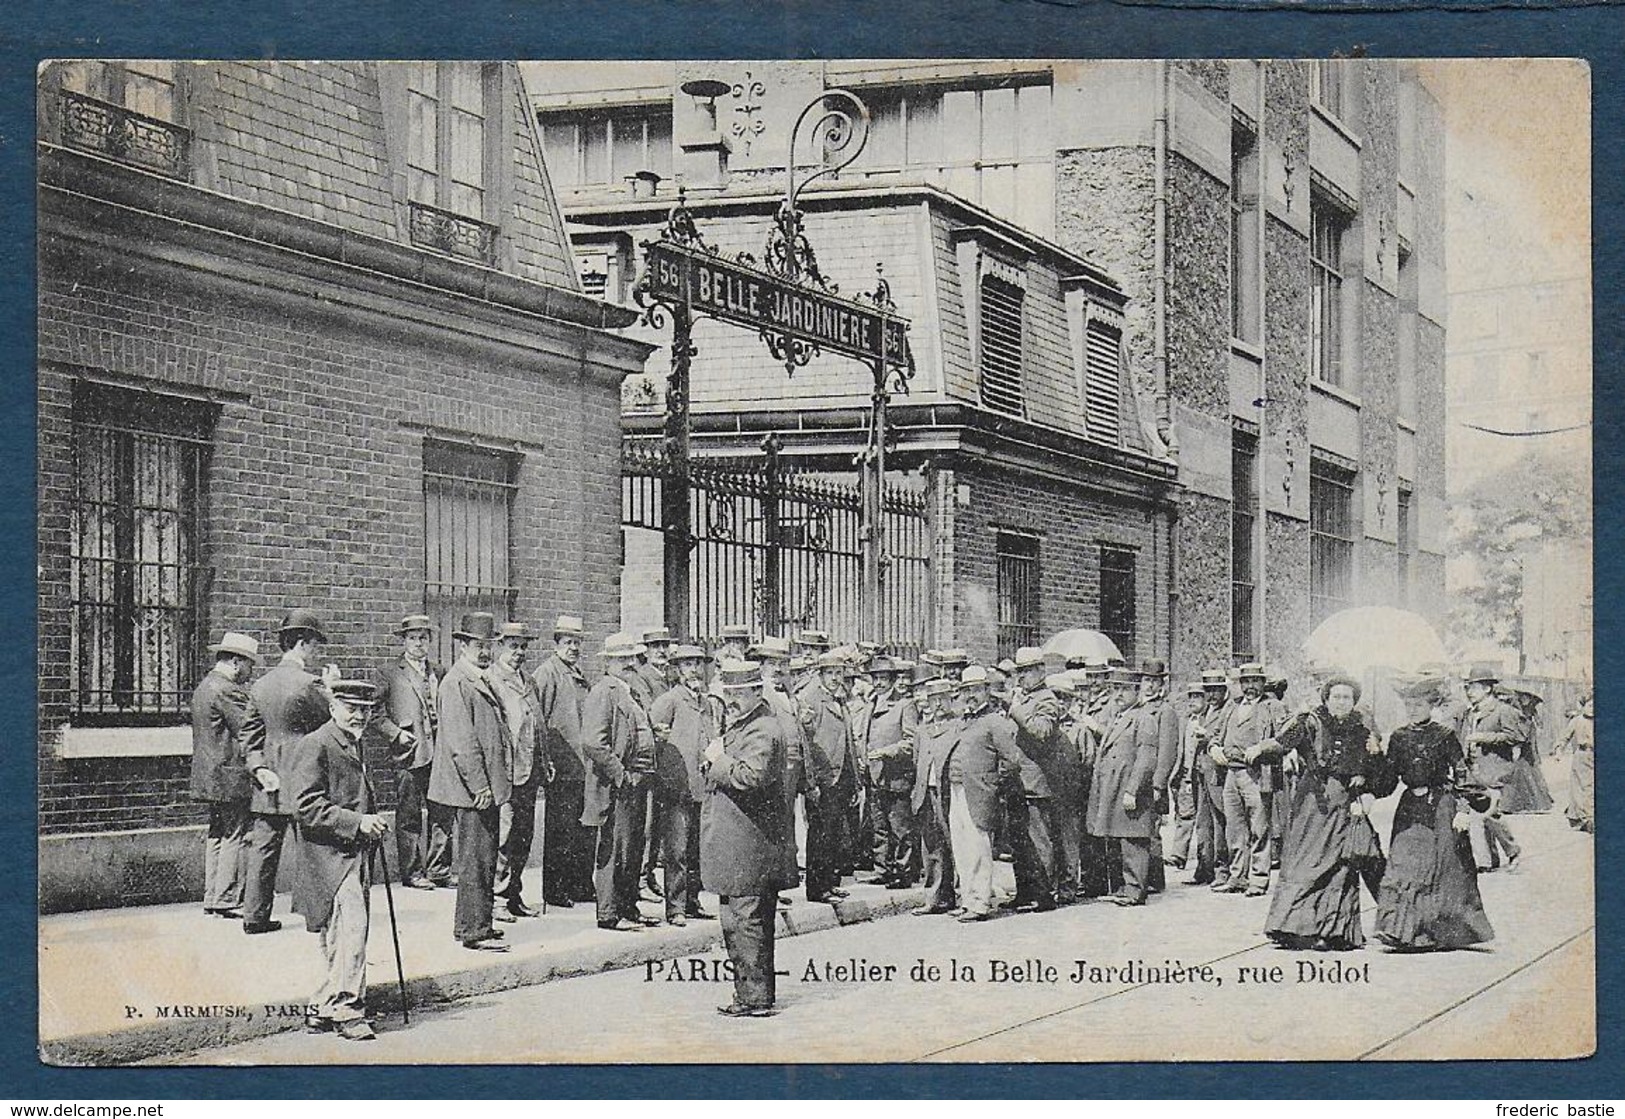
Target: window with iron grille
[
  {"x": 600, "y": 148},
  {"x": 1001, "y": 345},
  {"x": 467, "y": 520},
  {"x": 1405, "y": 527},
  {"x": 1018, "y": 591},
  {"x": 140, "y": 468},
  {"x": 1117, "y": 597},
  {"x": 128, "y": 110},
  {"x": 1244, "y": 301},
  {"x": 1243, "y": 547},
  {"x": 1327, "y": 311},
  {"x": 1102, "y": 386},
  {"x": 1331, "y": 539}
]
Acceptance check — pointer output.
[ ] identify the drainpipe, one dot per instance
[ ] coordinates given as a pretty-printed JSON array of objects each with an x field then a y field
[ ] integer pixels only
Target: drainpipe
[
  {"x": 1260, "y": 470},
  {"x": 1159, "y": 291}
]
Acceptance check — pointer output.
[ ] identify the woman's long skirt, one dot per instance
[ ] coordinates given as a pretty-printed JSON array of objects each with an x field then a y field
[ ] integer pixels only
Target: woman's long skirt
[{"x": 1429, "y": 896}]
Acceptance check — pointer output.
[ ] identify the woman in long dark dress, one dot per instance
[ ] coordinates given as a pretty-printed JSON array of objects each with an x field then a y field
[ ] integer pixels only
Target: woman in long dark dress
[
  {"x": 1328, "y": 845},
  {"x": 1525, "y": 789},
  {"x": 1429, "y": 897}
]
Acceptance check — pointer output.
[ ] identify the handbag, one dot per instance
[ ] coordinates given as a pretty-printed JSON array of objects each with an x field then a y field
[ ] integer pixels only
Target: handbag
[{"x": 1360, "y": 842}]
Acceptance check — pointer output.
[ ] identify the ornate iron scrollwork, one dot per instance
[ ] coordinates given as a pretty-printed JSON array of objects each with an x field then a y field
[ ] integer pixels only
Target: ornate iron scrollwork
[{"x": 104, "y": 128}]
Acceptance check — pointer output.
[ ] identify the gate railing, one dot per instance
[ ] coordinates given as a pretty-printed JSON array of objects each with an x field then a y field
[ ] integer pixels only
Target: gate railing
[{"x": 781, "y": 548}]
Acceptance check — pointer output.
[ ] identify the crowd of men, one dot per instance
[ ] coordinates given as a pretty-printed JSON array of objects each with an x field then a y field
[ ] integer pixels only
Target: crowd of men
[{"x": 693, "y": 761}]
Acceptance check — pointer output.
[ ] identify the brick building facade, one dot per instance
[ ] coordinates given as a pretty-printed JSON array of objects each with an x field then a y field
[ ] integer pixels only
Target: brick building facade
[
  {"x": 291, "y": 353},
  {"x": 1263, "y": 243}
]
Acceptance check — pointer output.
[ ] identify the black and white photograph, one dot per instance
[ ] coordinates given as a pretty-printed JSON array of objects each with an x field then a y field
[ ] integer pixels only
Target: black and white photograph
[{"x": 830, "y": 561}]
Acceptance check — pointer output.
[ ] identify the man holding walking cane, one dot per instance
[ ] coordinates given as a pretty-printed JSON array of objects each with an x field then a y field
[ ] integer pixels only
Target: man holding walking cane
[{"x": 338, "y": 829}]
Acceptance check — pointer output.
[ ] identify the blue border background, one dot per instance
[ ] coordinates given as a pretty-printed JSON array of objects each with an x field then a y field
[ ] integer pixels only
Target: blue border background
[{"x": 695, "y": 29}]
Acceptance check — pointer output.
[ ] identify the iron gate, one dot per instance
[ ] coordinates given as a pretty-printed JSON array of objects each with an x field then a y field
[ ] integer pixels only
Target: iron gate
[{"x": 782, "y": 549}]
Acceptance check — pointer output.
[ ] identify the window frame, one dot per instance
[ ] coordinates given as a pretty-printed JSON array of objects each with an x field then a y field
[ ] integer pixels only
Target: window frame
[
  {"x": 1246, "y": 215},
  {"x": 1244, "y": 508},
  {"x": 181, "y": 430},
  {"x": 1120, "y": 561},
  {"x": 1017, "y": 550},
  {"x": 489, "y": 78},
  {"x": 1330, "y": 288},
  {"x": 445, "y": 600},
  {"x": 1325, "y": 544},
  {"x": 573, "y": 179},
  {"x": 1015, "y": 365},
  {"x": 1404, "y": 543}
]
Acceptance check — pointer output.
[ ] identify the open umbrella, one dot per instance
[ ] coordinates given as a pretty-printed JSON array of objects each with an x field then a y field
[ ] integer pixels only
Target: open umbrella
[
  {"x": 1079, "y": 644},
  {"x": 1364, "y": 638}
]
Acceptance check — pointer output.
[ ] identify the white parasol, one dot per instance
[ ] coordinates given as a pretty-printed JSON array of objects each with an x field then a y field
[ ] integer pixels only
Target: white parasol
[
  {"x": 1367, "y": 638},
  {"x": 1079, "y": 644}
]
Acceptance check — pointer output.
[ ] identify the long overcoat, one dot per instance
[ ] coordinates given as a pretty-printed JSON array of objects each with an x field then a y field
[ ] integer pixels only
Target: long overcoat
[
  {"x": 287, "y": 703},
  {"x": 561, "y": 690},
  {"x": 328, "y": 790},
  {"x": 1125, "y": 764},
  {"x": 474, "y": 745},
  {"x": 828, "y": 729},
  {"x": 220, "y": 708},
  {"x": 934, "y": 740},
  {"x": 889, "y": 743},
  {"x": 615, "y": 734},
  {"x": 743, "y": 836},
  {"x": 691, "y": 721},
  {"x": 1054, "y": 767}
]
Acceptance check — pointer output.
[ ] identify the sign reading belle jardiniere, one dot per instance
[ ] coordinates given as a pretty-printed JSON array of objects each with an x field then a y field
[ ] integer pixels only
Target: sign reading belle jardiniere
[{"x": 725, "y": 289}]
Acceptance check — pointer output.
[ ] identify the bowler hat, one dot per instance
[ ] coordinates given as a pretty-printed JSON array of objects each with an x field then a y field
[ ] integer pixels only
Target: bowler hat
[
  {"x": 1154, "y": 669},
  {"x": 356, "y": 693},
  {"x": 412, "y": 623},
  {"x": 238, "y": 645},
  {"x": 477, "y": 626},
  {"x": 302, "y": 619},
  {"x": 517, "y": 631},
  {"x": 741, "y": 674},
  {"x": 1481, "y": 672},
  {"x": 568, "y": 625},
  {"x": 687, "y": 653},
  {"x": 973, "y": 675},
  {"x": 1029, "y": 656}
]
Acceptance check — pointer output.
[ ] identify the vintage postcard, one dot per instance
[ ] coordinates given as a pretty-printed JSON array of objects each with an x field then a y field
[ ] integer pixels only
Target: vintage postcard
[{"x": 815, "y": 561}]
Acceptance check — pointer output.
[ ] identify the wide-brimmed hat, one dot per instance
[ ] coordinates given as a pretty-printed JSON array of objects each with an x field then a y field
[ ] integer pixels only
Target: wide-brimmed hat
[
  {"x": 302, "y": 619},
  {"x": 619, "y": 645},
  {"x": 517, "y": 631},
  {"x": 1481, "y": 672},
  {"x": 687, "y": 653},
  {"x": 356, "y": 693},
  {"x": 568, "y": 625},
  {"x": 238, "y": 645},
  {"x": 412, "y": 623},
  {"x": 1028, "y": 656},
  {"x": 1427, "y": 686},
  {"x": 478, "y": 626},
  {"x": 659, "y": 636},
  {"x": 740, "y": 674},
  {"x": 770, "y": 648},
  {"x": 882, "y": 666}
]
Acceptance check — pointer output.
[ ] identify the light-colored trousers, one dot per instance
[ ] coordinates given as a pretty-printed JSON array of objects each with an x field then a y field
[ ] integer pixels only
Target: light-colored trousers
[
  {"x": 223, "y": 856},
  {"x": 343, "y": 993},
  {"x": 973, "y": 856}
]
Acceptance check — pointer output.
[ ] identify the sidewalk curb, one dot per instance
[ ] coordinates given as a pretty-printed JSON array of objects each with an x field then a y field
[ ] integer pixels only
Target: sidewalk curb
[{"x": 149, "y": 1040}]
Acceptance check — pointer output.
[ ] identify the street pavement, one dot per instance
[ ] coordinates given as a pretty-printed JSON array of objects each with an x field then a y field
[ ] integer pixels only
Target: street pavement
[{"x": 1528, "y": 994}]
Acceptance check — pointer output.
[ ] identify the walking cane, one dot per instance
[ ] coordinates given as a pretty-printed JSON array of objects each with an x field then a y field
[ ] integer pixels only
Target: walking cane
[{"x": 394, "y": 932}]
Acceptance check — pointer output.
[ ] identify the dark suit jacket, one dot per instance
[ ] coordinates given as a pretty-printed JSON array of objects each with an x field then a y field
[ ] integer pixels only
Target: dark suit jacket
[
  {"x": 473, "y": 742},
  {"x": 986, "y": 757},
  {"x": 327, "y": 786},
  {"x": 890, "y": 743},
  {"x": 405, "y": 703},
  {"x": 693, "y": 722},
  {"x": 743, "y": 832},
  {"x": 219, "y": 710},
  {"x": 287, "y": 703},
  {"x": 1126, "y": 763},
  {"x": 933, "y": 741},
  {"x": 828, "y": 734},
  {"x": 1052, "y": 769},
  {"x": 618, "y": 740},
  {"x": 561, "y": 690}
]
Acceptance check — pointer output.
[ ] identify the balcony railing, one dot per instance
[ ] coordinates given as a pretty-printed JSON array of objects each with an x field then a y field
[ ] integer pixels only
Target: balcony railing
[
  {"x": 453, "y": 234},
  {"x": 104, "y": 128}
]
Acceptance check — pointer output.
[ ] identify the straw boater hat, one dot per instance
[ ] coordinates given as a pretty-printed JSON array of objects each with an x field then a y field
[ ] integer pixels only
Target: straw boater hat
[
  {"x": 1252, "y": 671},
  {"x": 1062, "y": 683},
  {"x": 737, "y": 675},
  {"x": 770, "y": 648},
  {"x": 478, "y": 626},
  {"x": 936, "y": 686},
  {"x": 356, "y": 693},
  {"x": 568, "y": 625},
  {"x": 302, "y": 619},
  {"x": 813, "y": 639},
  {"x": 412, "y": 623},
  {"x": 955, "y": 658},
  {"x": 1122, "y": 674},
  {"x": 1215, "y": 678},
  {"x": 238, "y": 645},
  {"x": 619, "y": 645}
]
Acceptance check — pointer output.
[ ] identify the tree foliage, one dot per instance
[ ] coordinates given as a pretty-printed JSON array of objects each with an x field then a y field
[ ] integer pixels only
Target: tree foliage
[{"x": 1500, "y": 520}]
